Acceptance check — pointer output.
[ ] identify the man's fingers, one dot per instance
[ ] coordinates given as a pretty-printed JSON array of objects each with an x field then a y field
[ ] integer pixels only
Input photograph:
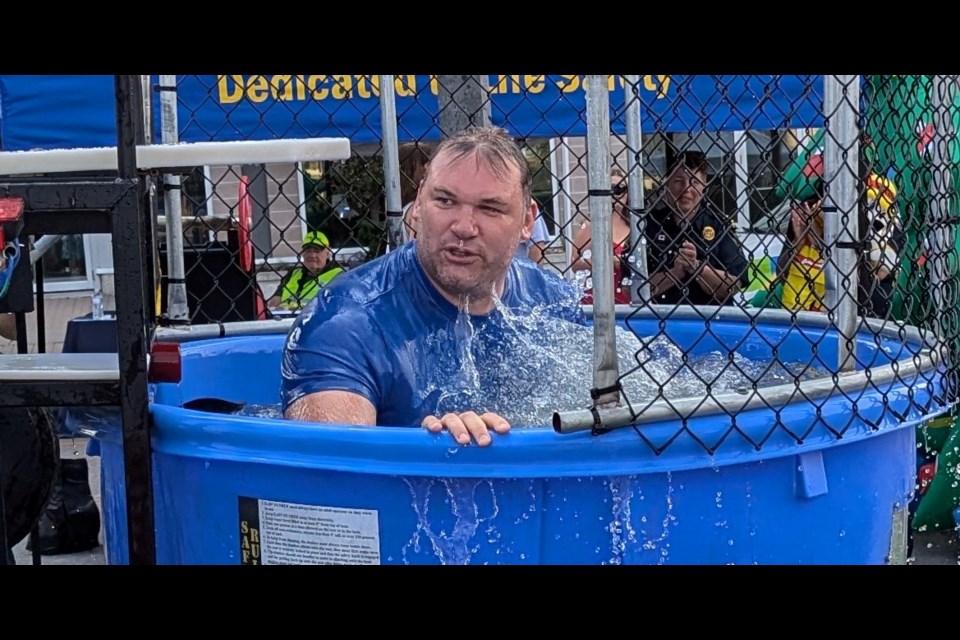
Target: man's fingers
[
  {"x": 495, "y": 422},
  {"x": 476, "y": 428},
  {"x": 432, "y": 424},
  {"x": 451, "y": 422},
  {"x": 468, "y": 425}
]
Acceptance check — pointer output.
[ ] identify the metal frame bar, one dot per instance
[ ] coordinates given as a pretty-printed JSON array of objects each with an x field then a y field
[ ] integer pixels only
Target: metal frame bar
[
  {"x": 193, "y": 154},
  {"x": 841, "y": 155},
  {"x": 640, "y": 291},
  {"x": 605, "y": 365},
  {"x": 132, "y": 322},
  {"x": 391, "y": 162},
  {"x": 927, "y": 357},
  {"x": 177, "y": 309}
]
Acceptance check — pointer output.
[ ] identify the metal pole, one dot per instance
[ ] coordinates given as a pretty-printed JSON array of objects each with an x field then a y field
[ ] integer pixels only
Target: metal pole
[
  {"x": 841, "y": 223},
  {"x": 43, "y": 245},
  {"x": 463, "y": 102},
  {"x": 640, "y": 291},
  {"x": 178, "y": 311},
  {"x": 914, "y": 362},
  {"x": 391, "y": 162},
  {"x": 605, "y": 373},
  {"x": 146, "y": 94},
  {"x": 939, "y": 230},
  {"x": 131, "y": 280}
]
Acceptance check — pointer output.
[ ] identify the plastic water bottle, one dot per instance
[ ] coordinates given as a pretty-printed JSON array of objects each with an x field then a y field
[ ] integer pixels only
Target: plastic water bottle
[{"x": 97, "y": 304}]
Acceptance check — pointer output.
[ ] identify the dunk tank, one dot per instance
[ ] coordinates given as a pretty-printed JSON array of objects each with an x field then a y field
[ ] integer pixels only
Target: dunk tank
[{"x": 813, "y": 465}]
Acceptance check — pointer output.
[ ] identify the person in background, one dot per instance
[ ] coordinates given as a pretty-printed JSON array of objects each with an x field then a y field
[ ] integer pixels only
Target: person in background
[
  {"x": 414, "y": 158},
  {"x": 800, "y": 266},
  {"x": 693, "y": 255},
  {"x": 533, "y": 249},
  {"x": 303, "y": 282},
  {"x": 800, "y": 283},
  {"x": 583, "y": 245},
  {"x": 366, "y": 350}
]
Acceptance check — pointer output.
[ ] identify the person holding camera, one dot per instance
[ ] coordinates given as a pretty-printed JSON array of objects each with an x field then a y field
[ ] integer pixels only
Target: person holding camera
[
  {"x": 800, "y": 283},
  {"x": 693, "y": 255},
  {"x": 800, "y": 266}
]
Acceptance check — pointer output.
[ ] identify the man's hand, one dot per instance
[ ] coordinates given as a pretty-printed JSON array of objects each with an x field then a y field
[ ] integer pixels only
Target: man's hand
[
  {"x": 464, "y": 425},
  {"x": 686, "y": 259}
]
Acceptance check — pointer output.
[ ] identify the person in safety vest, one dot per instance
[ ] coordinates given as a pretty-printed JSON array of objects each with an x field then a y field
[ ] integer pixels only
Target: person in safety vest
[{"x": 302, "y": 283}]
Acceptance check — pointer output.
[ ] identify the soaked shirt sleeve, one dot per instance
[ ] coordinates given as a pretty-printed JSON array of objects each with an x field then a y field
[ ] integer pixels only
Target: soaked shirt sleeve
[{"x": 328, "y": 349}]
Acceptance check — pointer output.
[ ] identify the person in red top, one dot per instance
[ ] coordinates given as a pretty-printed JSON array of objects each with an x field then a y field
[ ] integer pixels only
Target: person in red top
[{"x": 621, "y": 243}]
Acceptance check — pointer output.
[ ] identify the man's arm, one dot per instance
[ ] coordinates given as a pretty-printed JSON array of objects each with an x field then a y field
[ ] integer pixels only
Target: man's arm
[
  {"x": 665, "y": 280},
  {"x": 728, "y": 274},
  {"x": 718, "y": 283},
  {"x": 536, "y": 251},
  {"x": 581, "y": 245},
  {"x": 274, "y": 300},
  {"x": 334, "y": 407},
  {"x": 538, "y": 239}
]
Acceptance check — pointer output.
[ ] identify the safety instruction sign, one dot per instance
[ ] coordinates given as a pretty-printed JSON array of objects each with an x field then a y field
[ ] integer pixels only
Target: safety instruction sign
[{"x": 274, "y": 532}]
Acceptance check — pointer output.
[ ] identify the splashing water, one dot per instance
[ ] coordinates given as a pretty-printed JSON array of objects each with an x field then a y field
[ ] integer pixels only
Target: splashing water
[
  {"x": 454, "y": 547},
  {"x": 526, "y": 367}
]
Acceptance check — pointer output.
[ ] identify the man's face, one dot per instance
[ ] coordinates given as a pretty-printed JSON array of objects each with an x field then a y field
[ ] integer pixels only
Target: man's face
[
  {"x": 315, "y": 257},
  {"x": 685, "y": 190},
  {"x": 471, "y": 221}
]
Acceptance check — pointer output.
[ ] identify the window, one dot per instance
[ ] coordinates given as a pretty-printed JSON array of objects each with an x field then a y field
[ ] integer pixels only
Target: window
[{"x": 344, "y": 200}]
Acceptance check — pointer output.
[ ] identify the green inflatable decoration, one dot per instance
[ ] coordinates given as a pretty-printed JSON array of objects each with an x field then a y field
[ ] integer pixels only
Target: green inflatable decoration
[{"x": 898, "y": 127}]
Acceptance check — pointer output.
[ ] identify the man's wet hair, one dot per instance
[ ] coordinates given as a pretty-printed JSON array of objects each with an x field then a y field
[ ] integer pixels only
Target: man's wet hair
[{"x": 492, "y": 146}]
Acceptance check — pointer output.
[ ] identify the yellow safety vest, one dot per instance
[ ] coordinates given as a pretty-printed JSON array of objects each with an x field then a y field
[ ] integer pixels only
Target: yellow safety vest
[
  {"x": 805, "y": 285},
  {"x": 299, "y": 290}
]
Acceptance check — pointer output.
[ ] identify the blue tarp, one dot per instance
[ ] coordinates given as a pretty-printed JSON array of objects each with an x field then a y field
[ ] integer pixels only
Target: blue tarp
[{"x": 51, "y": 112}]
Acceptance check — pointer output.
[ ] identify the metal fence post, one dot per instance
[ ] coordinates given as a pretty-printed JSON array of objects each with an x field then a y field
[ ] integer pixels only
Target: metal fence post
[
  {"x": 463, "y": 102},
  {"x": 841, "y": 222},
  {"x": 605, "y": 372},
  {"x": 178, "y": 311},
  {"x": 391, "y": 163},
  {"x": 640, "y": 289}
]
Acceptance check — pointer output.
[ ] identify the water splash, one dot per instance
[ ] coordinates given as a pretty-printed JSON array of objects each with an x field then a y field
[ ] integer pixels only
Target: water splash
[
  {"x": 527, "y": 366},
  {"x": 457, "y": 546},
  {"x": 660, "y": 542},
  {"x": 622, "y": 533}
]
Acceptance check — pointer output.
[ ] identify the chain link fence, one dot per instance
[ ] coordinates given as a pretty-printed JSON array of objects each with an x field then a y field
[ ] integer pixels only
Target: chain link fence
[{"x": 775, "y": 239}]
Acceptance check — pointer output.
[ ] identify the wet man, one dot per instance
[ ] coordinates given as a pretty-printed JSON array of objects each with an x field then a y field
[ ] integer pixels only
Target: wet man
[{"x": 373, "y": 347}]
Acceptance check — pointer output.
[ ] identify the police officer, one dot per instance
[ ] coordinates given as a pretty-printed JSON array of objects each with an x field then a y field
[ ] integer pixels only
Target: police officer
[
  {"x": 303, "y": 282},
  {"x": 693, "y": 255}
]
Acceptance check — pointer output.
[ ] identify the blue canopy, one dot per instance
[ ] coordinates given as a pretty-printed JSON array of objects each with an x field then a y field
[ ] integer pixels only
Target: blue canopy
[{"x": 51, "y": 112}]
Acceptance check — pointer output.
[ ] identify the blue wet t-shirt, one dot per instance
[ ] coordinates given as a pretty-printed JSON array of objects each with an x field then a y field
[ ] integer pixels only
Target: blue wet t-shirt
[{"x": 383, "y": 331}]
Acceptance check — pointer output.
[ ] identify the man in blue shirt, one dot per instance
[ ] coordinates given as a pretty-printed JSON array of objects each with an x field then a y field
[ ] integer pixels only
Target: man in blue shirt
[{"x": 385, "y": 343}]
